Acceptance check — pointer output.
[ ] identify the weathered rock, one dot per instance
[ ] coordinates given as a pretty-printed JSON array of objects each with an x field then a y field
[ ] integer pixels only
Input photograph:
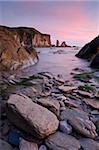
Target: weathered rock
[
  {"x": 65, "y": 127},
  {"x": 5, "y": 146},
  {"x": 25, "y": 145},
  {"x": 70, "y": 103},
  {"x": 67, "y": 89},
  {"x": 52, "y": 105},
  {"x": 61, "y": 141},
  {"x": 31, "y": 117},
  {"x": 89, "y": 144},
  {"x": 92, "y": 102},
  {"x": 84, "y": 94},
  {"x": 79, "y": 120},
  {"x": 84, "y": 127},
  {"x": 12, "y": 54}
]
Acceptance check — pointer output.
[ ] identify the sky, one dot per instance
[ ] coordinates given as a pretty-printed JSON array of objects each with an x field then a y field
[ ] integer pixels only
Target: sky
[{"x": 76, "y": 21}]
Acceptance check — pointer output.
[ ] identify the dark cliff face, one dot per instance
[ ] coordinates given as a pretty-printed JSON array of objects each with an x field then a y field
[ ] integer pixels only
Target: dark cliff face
[
  {"x": 89, "y": 49},
  {"x": 91, "y": 52}
]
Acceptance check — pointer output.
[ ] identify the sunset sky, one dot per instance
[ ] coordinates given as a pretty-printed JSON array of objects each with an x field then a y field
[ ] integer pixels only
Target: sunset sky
[{"x": 76, "y": 22}]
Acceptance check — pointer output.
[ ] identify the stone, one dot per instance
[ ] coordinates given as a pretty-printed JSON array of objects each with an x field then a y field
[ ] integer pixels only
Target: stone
[
  {"x": 84, "y": 127},
  {"x": 31, "y": 117},
  {"x": 84, "y": 94},
  {"x": 89, "y": 144},
  {"x": 5, "y": 146},
  {"x": 67, "y": 89},
  {"x": 65, "y": 127},
  {"x": 13, "y": 138},
  {"x": 42, "y": 147},
  {"x": 70, "y": 103},
  {"x": 92, "y": 102},
  {"x": 61, "y": 141},
  {"x": 80, "y": 122},
  {"x": 25, "y": 145},
  {"x": 51, "y": 105}
]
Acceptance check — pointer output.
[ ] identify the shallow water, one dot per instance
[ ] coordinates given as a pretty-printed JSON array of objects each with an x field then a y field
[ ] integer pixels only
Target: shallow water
[{"x": 62, "y": 62}]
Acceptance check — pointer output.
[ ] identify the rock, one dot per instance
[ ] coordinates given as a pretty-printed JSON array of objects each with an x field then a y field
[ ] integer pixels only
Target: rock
[
  {"x": 80, "y": 122},
  {"x": 5, "y": 146},
  {"x": 25, "y": 145},
  {"x": 92, "y": 102},
  {"x": 31, "y": 117},
  {"x": 84, "y": 94},
  {"x": 42, "y": 147},
  {"x": 70, "y": 103},
  {"x": 51, "y": 105},
  {"x": 89, "y": 144},
  {"x": 61, "y": 141},
  {"x": 67, "y": 89},
  {"x": 13, "y": 138},
  {"x": 95, "y": 61},
  {"x": 84, "y": 127},
  {"x": 12, "y": 54},
  {"x": 65, "y": 127},
  {"x": 89, "y": 49}
]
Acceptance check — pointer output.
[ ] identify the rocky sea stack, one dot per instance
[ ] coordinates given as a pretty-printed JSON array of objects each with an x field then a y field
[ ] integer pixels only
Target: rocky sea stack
[{"x": 91, "y": 52}]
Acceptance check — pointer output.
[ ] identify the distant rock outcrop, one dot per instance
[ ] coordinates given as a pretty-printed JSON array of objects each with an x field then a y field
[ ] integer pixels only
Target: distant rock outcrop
[
  {"x": 16, "y": 47},
  {"x": 91, "y": 52},
  {"x": 64, "y": 44}
]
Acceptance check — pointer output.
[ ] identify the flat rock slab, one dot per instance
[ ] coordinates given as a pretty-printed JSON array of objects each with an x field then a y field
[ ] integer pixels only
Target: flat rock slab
[
  {"x": 25, "y": 145},
  {"x": 84, "y": 94},
  {"x": 79, "y": 120},
  {"x": 31, "y": 117},
  {"x": 89, "y": 144},
  {"x": 52, "y": 105},
  {"x": 67, "y": 89},
  {"x": 61, "y": 141},
  {"x": 92, "y": 102},
  {"x": 5, "y": 146}
]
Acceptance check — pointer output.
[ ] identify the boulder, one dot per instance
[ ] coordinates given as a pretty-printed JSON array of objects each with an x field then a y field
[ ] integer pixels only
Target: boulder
[
  {"x": 61, "y": 141},
  {"x": 80, "y": 122},
  {"x": 89, "y": 144},
  {"x": 25, "y": 145},
  {"x": 31, "y": 117},
  {"x": 65, "y": 127},
  {"x": 5, "y": 146},
  {"x": 12, "y": 54}
]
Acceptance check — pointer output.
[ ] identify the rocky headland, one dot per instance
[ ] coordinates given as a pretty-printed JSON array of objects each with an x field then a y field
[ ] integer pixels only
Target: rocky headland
[{"x": 91, "y": 52}]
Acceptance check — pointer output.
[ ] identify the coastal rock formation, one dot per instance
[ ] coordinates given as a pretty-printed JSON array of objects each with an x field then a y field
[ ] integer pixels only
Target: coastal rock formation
[
  {"x": 31, "y": 117},
  {"x": 13, "y": 54},
  {"x": 91, "y": 52}
]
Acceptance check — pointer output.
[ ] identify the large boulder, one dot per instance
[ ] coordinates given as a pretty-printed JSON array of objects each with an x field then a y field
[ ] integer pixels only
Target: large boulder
[
  {"x": 13, "y": 54},
  {"x": 31, "y": 117},
  {"x": 61, "y": 141}
]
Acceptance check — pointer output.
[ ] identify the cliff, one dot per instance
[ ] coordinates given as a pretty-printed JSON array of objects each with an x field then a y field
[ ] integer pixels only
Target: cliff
[
  {"x": 91, "y": 52},
  {"x": 17, "y": 46}
]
